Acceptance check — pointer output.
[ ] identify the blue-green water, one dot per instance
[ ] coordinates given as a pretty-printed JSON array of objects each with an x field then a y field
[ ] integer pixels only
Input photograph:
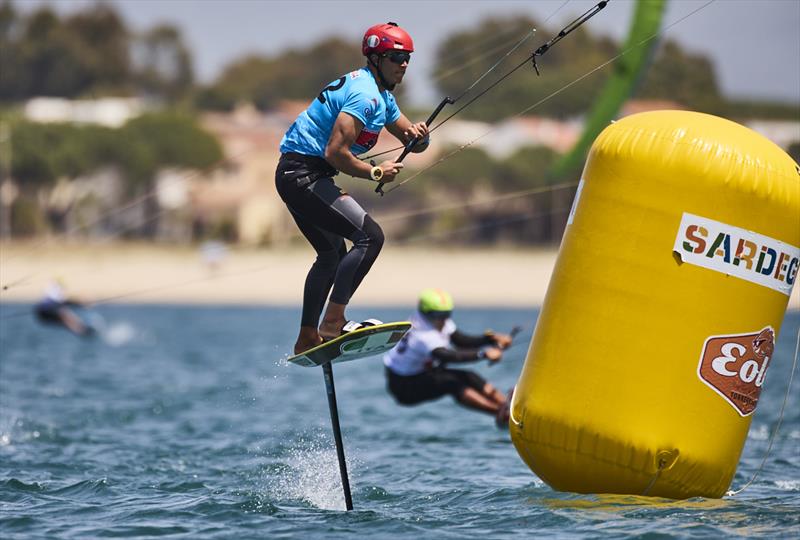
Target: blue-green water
[{"x": 186, "y": 422}]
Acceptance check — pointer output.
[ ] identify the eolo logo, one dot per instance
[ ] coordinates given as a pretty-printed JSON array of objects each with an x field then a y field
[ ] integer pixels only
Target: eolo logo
[{"x": 735, "y": 366}]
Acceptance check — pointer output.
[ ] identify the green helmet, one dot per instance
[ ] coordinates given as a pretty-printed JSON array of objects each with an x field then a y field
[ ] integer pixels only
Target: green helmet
[{"x": 435, "y": 302}]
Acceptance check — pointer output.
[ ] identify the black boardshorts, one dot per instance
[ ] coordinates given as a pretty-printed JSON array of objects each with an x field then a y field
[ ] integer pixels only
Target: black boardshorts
[{"x": 431, "y": 385}]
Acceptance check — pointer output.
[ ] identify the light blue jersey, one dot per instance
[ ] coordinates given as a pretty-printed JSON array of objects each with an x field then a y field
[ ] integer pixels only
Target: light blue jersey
[{"x": 356, "y": 94}]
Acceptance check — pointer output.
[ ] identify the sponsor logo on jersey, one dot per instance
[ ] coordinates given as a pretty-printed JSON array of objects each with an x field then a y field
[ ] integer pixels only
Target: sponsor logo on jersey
[
  {"x": 737, "y": 252},
  {"x": 367, "y": 138},
  {"x": 734, "y": 366},
  {"x": 368, "y": 111}
]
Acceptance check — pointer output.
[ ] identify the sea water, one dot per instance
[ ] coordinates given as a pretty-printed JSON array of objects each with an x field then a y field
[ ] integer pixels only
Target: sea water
[{"x": 187, "y": 422}]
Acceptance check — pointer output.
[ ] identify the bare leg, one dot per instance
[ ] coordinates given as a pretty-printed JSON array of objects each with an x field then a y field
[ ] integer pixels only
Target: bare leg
[
  {"x": 308, "y": 338},
  {"x": 504, "y": 411},
  {"x": 472, "y": 399},
  {"x": 333, "y": 321},
  {"x": 493, "y": 394},
  {"x": 72, "y": 322}
]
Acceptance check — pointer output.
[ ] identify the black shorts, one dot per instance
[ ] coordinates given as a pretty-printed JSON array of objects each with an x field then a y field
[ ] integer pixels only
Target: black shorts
[
  {"x": 48, "y": 312},
  {"x": 430, "y": 385}
]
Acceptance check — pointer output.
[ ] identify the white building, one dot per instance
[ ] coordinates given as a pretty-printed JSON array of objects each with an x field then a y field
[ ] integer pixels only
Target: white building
[{"x": 111, "y": 112}]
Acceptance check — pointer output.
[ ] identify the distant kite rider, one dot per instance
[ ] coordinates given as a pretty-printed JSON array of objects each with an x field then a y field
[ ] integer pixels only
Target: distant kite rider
[
  {"x": 56, "y": 309},
  {"x": 417, "y": 369},
  {"x": 343, "y": 121}
]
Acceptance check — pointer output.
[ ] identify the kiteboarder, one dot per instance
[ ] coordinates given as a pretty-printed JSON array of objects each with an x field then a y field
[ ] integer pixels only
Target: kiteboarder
[
  {"x": 56, "y": 309},
  {"x": 417, "y": 369},
  {"x": 343, "y": 121}
]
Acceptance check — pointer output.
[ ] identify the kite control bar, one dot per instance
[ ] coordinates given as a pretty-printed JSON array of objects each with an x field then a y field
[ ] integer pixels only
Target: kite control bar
[{"x": 413, "y": 142}]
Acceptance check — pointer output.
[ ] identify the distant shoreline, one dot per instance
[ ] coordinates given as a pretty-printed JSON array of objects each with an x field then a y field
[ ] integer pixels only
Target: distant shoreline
[
  {"x": 153, "y": 273},
  {"x": 105, "y": 273}
]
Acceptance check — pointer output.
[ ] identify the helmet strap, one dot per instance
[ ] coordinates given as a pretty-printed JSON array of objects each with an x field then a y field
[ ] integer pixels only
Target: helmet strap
[{"x": 377, "y": 66}]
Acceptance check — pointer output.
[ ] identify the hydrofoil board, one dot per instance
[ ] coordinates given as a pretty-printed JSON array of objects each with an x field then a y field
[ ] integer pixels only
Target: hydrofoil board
[{"x": 360, "y": 343}]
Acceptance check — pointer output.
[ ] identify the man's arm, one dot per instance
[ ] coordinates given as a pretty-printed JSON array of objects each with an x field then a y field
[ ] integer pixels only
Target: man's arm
[
  {"x": 405, "y": 131},
  {"x": 460, "y": 339},
  {"x": 337, "y": 152},
  {"x": 449, "y": 356},
  {"x": 502, "y": 341}
]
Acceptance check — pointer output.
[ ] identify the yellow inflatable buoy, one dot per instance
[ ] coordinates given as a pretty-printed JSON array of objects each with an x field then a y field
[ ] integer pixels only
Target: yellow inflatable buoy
[{"x": 658, "y": 326}]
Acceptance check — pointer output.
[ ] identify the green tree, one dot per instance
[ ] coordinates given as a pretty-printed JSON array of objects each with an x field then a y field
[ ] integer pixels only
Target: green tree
[
  {"x": 13, "y": 75},
  {"x": 42, "y": 55},
  {"x": 51, "y": 57},
  {"x": 573, "y": 57},
  {"x": 295, "y": 74},
  {"x": 42, "y": 153},
  {"x": 101, "y": 43},
  {"x": 89, "y": 53},
  {"x": 794, "y": 151},
  {"x": 242, "y": 80},
  {"x": 176, "y": 139},
  {"x": 742, "y": 109},
  {"x": 684, "y": 77},
  {"x": 526, "y": 218},
  {"x": 162, "y": 63},
  {"x": 165, "y": 139},
  {"x": 460, "y": 173},
  {"x": 525, "y": 168}
]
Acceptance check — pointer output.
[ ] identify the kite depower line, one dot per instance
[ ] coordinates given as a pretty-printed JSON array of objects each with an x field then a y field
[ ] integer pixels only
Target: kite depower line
[{"x": 540, "y": 51}]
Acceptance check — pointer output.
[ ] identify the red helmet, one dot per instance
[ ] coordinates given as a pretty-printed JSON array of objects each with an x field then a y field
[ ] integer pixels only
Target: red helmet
[{"x": 386, "y": 37}]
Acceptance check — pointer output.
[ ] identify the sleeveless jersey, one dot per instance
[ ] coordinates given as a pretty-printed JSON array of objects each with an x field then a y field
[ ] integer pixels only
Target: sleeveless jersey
[
  {"x": 356, "y": 94},
  {"x": 412, "y": 355}
]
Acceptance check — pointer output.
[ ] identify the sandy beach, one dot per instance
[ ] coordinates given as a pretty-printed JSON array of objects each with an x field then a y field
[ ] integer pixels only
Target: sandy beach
[
  {"x": 148, "y": 273},
  {"x": 178, "y": 274}
]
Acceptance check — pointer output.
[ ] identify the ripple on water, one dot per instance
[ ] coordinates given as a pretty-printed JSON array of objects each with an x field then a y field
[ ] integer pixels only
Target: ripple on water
[
  {"x": 83, "y": 488},
  {"x": 19, "y": 485},
  {"x": 181, "y": 487},
  {"x": 202, "y": 430},
  {"x": 788, "y": 485}
]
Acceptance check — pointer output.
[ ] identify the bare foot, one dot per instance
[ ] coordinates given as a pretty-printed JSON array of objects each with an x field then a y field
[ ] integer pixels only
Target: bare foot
[
  {"x": 302, "y": 346},
  {"x": 307, "y": 339},
  {"x": 331, "y": 329},
  {"x": 333, "y": 321}
]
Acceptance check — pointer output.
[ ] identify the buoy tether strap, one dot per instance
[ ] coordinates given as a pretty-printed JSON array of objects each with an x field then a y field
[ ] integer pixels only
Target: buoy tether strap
[
  {"x": 733, "y": 492},
  {"x": 664, "y": 459}
]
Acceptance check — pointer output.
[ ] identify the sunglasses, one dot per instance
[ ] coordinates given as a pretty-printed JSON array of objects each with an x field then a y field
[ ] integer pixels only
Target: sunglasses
[
  {"x": 440, "y": 315},
  {"x": 398, "y": 57}
]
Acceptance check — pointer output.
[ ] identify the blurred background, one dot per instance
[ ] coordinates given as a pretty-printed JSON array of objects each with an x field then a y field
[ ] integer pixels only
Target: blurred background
[
  {"x": 160, "y": 121},
  {"x": 138, "y": 144}
]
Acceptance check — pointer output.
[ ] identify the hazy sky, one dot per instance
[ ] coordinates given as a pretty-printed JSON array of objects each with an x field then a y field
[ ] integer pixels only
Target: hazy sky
[{"x": 755, "y": 44}]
